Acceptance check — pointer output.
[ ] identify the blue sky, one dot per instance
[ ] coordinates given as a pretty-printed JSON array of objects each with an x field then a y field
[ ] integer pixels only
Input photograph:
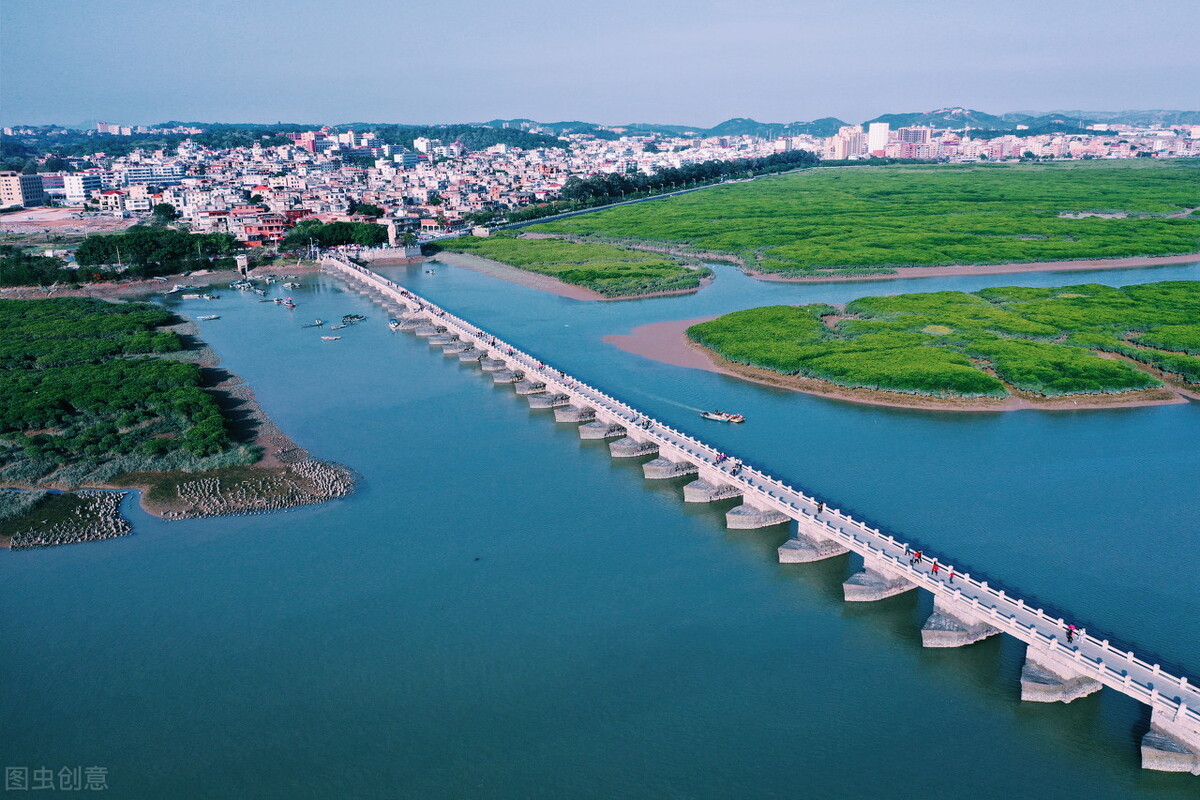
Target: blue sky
[{"x": 695, "y": 62}]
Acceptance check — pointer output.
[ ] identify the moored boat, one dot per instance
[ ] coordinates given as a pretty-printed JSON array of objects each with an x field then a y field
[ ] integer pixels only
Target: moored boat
[
  {"x": 331, "y": 338},
  {"x": 207, "y": 317}
]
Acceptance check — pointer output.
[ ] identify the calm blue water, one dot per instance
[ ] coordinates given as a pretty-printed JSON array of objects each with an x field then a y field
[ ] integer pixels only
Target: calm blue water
[{"x": 503, "y": 611}]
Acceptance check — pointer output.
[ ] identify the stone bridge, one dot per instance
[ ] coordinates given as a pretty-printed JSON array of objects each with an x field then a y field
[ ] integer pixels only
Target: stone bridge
[{"x": 965, "y": 609}]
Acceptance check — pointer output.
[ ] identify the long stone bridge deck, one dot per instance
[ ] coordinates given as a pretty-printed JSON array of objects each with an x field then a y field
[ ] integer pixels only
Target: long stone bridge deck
[{"x": 966, "y": 609}]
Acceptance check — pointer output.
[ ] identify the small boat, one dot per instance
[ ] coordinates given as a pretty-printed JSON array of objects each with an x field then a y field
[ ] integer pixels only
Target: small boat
[
  {"x": 336, "y": 327},
  {"x": 212, "y": 296},
  {"x": 316, "y": 323},
  {"x": 352, "y": 318},
  {"x": 207, "y": 317},
  {"x": 288, "y": 303},
  {"x": 394, "y": 324},
  {"x": 261, "y": 292},
  {"x": 331, "y": 338},
  {"x": 291, "y": 285},
  {"x": 722, "y": 416},
  {"x": 191, "y": 297}
]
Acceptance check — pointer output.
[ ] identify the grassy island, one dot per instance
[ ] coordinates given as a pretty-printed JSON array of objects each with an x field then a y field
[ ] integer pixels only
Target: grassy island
[
  {"x": 870, "y": 220},
  {"x": 992, "y": 344},
  {"x": 95, "y": 394},
  {"x": 608, "y": 270}
]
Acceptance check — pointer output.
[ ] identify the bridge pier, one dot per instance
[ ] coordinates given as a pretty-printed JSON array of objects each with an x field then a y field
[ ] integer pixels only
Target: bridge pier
[
  {"x": 600, "y": 430},
  {"x": 443, "y": 338},
  {"x": 805, "y": 547},
  {"x": 701, "y": 491},
  {"x": 663, "y": 467},
  {"x": 493, "y": 364},
  {"x": 573, "y": 413},
  {"x": 410, "y": 322},
  {"x": 1050, "y": 677},
  {"x": 470, "y": 354},
  {"x": 425, "y": 329},
  {"x": 874, "y": 582},
  {"x": 953, "y": 625},
  {"x": 1171, "y": 745},
  {"x": 548, "y": 400},
  {"x": 505, "y": 376},
  {"x": 631, "y": 448},
  {"x": 747, "y": 517},
  {"x": 454, "y": 348},
  {"x": 529, "y": 387}
]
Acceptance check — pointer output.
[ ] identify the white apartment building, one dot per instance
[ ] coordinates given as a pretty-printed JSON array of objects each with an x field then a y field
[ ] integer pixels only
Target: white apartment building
[{"x": 80, "y": 186}]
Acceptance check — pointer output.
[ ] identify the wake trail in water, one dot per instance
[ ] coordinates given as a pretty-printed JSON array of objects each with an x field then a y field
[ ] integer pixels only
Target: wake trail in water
[{"x": 674, "y": 402}]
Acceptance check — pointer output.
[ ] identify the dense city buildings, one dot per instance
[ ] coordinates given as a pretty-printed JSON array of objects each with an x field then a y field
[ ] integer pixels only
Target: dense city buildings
[{"x": 438, "y": 186}]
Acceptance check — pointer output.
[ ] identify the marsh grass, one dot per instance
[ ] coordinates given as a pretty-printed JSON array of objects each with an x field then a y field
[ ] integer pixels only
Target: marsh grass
[
  {"x": 611, "y": 270},
  {"x": 953, "y": 344},
  {"x": 867, "y": 220}
]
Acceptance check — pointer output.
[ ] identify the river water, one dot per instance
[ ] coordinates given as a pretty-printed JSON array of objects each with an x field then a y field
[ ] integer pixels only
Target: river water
[{"x": 503, "y": 611}]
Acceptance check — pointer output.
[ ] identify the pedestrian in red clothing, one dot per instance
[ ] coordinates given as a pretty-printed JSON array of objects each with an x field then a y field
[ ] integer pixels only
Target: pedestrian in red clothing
[{"x": 935, "y": 567}]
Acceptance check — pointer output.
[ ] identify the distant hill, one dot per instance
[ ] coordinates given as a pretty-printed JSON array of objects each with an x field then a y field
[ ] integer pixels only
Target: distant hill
[
  {"x": 956, "y": 118},
  {"x": 671, "y": 130},
  {"x": 474, "y": 137},
  {"x": 741, "y": 126},
  {"x": 1149, "y": 118}
]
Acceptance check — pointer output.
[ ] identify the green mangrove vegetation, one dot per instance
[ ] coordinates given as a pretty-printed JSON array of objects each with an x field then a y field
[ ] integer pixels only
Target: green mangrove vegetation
[
  {"x": 1052, "y": 342},
  {"x": 861, "y": 221},
  {"x": 610, "y": 270},
  {"x": 86, "y": 394}
]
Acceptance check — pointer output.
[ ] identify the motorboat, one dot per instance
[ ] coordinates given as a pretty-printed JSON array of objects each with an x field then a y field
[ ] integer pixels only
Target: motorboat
[
  {"x": 722, "y": 416},
  {"x": 207, "y": 317},
  {"x": 331, "y": 338},
  {"x": 316, "y": 323},
  {"x": 394, "y": 324}
]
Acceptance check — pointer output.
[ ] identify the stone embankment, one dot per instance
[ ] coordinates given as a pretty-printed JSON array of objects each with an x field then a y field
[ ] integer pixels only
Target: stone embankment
[
  {"x": 305, "y": 482},
  {"x": 97, "y": 516}
]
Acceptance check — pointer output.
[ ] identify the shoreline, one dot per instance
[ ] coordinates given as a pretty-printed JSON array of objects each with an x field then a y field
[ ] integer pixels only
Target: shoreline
[
  {"x": 1012, "y": 268},
  {"x": 546, "y": 283},
  {"x": 901, "y": 272},
  {"x": 667, "y": 342},
  {"x": 135, "y": 289}
]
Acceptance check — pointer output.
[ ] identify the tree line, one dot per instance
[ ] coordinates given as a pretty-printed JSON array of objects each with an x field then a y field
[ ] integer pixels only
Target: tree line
[{"x": 145, "y": 251}]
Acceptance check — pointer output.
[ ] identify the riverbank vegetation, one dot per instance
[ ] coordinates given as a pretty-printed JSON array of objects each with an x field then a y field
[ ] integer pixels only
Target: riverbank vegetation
[
  {"x": 862, "y": 221},
  {"x": 334, "y": 234},
  {"x": 144, "y": 251},
  {"x": 1076, "y": 340},
  {"x": 611, "y": 271}
]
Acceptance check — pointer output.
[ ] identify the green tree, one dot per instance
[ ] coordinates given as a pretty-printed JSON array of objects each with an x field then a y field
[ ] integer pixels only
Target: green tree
[{"x": 164, "y": 213}]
